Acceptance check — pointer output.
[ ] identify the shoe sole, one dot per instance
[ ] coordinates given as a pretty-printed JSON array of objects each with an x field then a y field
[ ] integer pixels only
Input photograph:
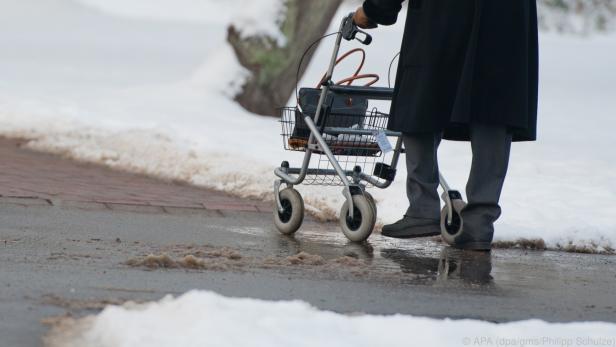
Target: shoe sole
[{"x": 419, "y": 231}]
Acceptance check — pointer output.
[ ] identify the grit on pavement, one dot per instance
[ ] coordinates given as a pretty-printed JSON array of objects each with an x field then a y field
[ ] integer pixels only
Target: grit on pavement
[{"x": 76, "y": 237}]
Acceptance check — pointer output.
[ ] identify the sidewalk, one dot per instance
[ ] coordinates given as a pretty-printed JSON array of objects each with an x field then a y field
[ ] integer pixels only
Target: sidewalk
[
  {"x": 75, "y": 237},
  {"x": 32, "y": 177}
]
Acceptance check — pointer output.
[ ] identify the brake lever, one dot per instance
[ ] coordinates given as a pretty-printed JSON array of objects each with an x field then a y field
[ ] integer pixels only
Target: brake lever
[
  {"x": 367, "y": 37},
  {"x": 350, "y": 31}
]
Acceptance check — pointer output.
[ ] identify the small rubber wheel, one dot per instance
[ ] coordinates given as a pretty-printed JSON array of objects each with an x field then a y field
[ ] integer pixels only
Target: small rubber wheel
[
  {"x": 449, "y": 232},
  {"x": 358, "y": 228},
  {"x": 290, "y": 219},
  {"x": 372, "y": 202}
]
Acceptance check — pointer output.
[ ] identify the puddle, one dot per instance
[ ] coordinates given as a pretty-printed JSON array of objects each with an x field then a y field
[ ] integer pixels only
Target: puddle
[
  {"x": 248, "y": 231},
  {"x": 308, "y": 259},
  {"x": 304, "y": 258},
  {"x": 420, "y": 262}
]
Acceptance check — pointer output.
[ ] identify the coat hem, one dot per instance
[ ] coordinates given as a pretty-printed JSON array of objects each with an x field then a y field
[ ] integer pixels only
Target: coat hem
[{"x": 461, "y": 133}]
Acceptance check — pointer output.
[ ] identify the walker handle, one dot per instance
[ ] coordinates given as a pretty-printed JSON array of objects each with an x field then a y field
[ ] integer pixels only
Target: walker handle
[{"x": 350, "y": 31}]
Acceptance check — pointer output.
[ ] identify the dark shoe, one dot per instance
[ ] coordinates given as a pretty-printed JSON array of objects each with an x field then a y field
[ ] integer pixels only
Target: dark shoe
[
  {"x": 477, "y": 232},
  {"x": 409, "y": 227}
]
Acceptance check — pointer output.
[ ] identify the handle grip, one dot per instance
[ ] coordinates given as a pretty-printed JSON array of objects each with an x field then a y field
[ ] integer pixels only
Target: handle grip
[
  {"x": 367, "y": 38},
  {"x": 350, "y": 31}
]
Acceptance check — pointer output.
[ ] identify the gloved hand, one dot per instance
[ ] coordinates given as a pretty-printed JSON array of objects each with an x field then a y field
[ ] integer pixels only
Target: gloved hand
[{"x": 362, "y": 21}]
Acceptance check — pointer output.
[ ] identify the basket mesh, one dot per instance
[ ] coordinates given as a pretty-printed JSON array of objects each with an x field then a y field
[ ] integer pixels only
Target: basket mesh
[{"x": 350, "y": 150}]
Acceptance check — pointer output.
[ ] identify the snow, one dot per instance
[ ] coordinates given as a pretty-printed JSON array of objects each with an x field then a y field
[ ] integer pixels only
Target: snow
[
  {"x": 201, "y": 318},
  {"x": 252, "y": 17},
  {"x": 578, "y": 17},
  {"x": 147, "y": 86}
]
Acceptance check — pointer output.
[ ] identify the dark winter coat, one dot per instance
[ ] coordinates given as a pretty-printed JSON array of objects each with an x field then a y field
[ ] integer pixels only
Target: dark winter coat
[{"x": 464, "y": 61}]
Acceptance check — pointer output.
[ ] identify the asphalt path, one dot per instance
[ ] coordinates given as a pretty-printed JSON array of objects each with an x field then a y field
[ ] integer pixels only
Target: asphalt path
[
  {"x": 76, "y": 237},
  {"x": 69, "y": 259}
]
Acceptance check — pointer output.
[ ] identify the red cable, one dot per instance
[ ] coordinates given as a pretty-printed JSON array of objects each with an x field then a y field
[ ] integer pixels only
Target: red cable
[{"x": 356, "y": 75}]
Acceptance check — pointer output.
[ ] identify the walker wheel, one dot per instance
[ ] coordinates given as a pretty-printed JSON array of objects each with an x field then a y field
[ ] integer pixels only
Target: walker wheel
[
  {"x": 450, "y": 231},
  {"x": 372, "y": 202},
  {"x": 360, "y": 226},
  {"x": 290, "y": 219}
]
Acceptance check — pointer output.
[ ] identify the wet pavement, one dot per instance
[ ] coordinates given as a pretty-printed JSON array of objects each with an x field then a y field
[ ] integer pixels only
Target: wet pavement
[
  {"x": 59, "y": 260},
  {"x": 76, "y": 237}
]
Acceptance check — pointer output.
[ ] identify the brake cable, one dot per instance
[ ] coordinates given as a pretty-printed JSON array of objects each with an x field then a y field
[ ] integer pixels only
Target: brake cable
[
  {"x": 356, "y": 75},
  {"x": 349, "y": 80},
  {"x": 390, "y": 66}
]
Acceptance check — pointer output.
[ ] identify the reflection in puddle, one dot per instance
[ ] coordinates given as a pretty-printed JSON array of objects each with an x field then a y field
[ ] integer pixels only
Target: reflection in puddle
[
  {"x": 451, "y": 266},
  {"x": 421, "y": 261},
  {"x": 411, "y": 263},
  {"x": 290, "y": 244},
  {"x": 248, "y": 231},
  {"x": 471, "y": 267}
]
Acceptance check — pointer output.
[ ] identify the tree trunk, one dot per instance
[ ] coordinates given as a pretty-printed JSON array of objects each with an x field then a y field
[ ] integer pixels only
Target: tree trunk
[{"x": 274, "y": 68}]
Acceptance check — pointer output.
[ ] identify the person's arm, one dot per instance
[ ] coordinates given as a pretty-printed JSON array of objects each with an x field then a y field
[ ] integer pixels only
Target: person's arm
[{"x": 383, "y": 12}]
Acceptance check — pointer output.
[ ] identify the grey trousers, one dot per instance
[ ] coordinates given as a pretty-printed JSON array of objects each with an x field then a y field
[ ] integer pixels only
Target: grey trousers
[{"x": 491, "y": 147}]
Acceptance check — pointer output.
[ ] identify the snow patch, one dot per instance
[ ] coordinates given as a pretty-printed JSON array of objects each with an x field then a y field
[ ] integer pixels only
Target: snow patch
[{"x": 201, "y": 318}]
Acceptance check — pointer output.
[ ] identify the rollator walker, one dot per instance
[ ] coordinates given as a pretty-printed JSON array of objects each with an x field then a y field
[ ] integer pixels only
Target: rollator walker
[{"x": 345, "y": 143}]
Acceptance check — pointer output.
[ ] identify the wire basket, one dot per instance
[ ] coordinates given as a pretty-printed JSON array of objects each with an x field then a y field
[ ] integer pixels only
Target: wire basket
[
  {"x": 351, "y": 151},
  {"x": 295, "y": 132}
]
